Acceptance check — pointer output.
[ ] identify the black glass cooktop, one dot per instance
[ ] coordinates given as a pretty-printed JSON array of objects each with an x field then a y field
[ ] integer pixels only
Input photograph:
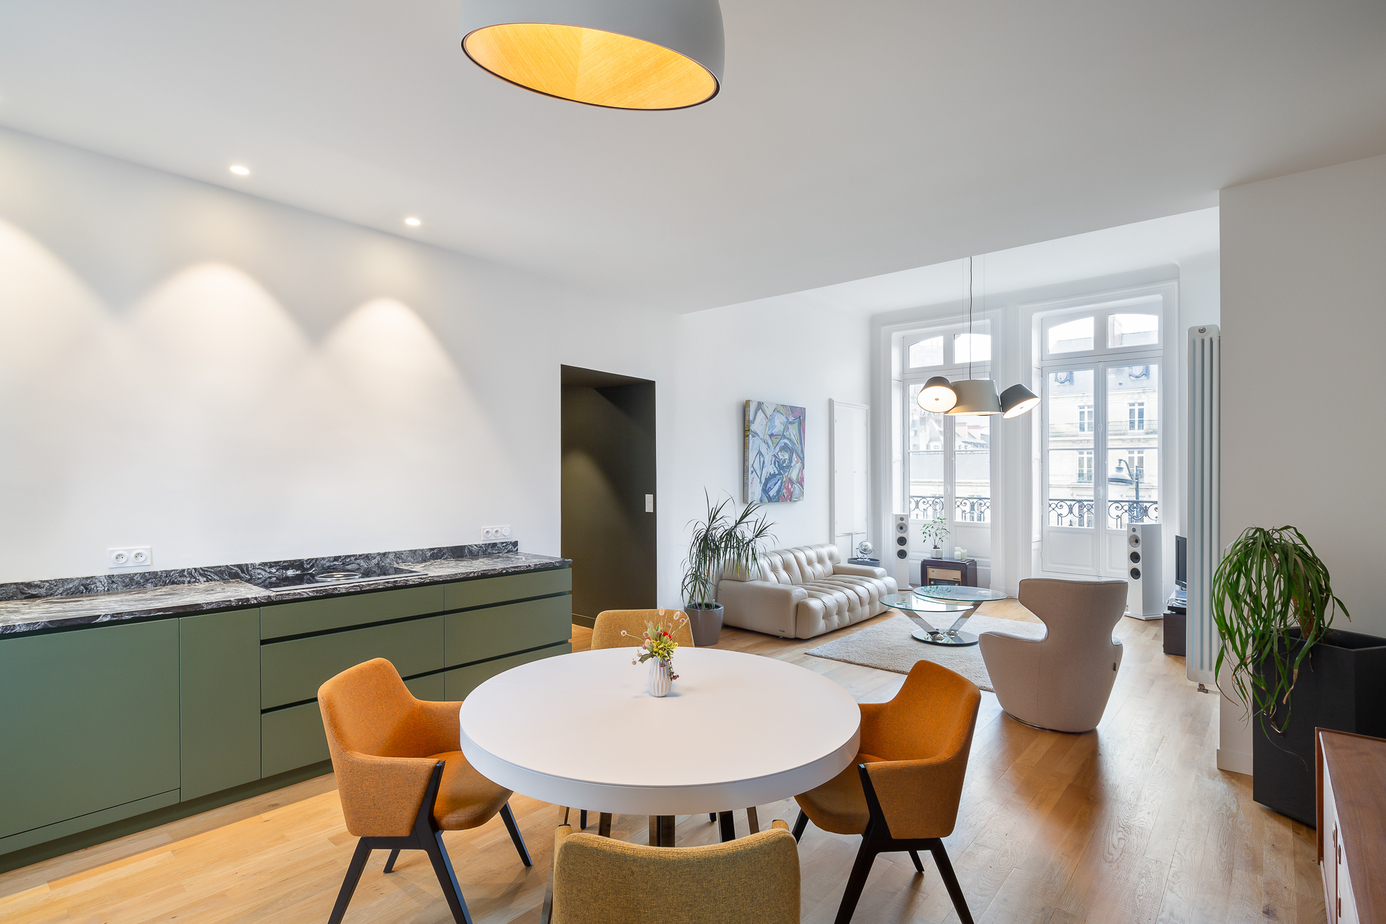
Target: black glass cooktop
[{"x": 294, "y": 579}]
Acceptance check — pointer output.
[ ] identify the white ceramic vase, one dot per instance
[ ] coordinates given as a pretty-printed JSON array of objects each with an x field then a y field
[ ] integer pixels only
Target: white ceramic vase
[{"x": 660, "y": 678}]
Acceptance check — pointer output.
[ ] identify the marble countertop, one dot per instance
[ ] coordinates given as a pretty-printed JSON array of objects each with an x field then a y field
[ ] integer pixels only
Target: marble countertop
[{"x": 40, "y": 605}]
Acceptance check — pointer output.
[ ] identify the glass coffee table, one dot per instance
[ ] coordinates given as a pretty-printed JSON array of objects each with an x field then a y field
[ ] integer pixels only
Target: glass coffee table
[{"x": 961, "y": 602}]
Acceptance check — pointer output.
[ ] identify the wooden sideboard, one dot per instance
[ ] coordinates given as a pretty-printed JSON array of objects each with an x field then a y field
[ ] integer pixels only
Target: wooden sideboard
[{"x": 1351, "y": 776}]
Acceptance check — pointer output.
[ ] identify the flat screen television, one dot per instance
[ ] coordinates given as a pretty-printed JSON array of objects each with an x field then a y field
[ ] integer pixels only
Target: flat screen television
[{"x": 1181, "y": 562}]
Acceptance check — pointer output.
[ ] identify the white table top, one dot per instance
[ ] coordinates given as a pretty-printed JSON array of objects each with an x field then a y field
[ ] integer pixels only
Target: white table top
[{"x": 737, "y": 730}]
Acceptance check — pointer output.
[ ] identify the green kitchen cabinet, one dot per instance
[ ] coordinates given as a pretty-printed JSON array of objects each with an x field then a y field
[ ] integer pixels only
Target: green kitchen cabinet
[
  {"x": 461, "y": 681},
  {"x": 292, "y": 671},
  {"x": 220, "y": 700},
  {"x": 89, "y": 724},
  {"x": 304, "y": 617},
  {"x": 485, "y": 591},
  {"x": 492, "y": 631}
]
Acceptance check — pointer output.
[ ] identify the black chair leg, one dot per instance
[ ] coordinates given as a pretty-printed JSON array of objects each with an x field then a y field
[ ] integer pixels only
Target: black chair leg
[
  {"x": 390, "y": 863},
  {"x": 509, "y": 818},
  {"x": 800, "y": 824},
  {"x": 604, "y": 824},
  {"x": 857, "y": 880},
  {"x": 712, "y": 816},
  {"x": 353, "y": 876},
  {"x": 950, "y": 879},
  {"x": 442, "y": 868},
  {"x": 919, "y": 866},
  {"x": 583, "y": 820},
  {"x": 728, "y": 826}
]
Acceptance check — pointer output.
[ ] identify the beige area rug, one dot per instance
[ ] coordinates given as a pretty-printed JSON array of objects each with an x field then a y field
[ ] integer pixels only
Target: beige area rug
[{"x": 889, "y": 646}]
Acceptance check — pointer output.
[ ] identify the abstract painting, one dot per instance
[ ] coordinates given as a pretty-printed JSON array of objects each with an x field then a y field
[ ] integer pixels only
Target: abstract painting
[{"x": 774, "y": 469}]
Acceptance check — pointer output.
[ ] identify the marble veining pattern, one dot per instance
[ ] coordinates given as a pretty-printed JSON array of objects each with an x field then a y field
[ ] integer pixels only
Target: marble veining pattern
[
  {"x": 25, "y": 607},
  {"x": 249, "y": 572}
]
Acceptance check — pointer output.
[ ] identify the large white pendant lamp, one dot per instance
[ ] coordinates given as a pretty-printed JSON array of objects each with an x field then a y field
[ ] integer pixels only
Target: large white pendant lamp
[{"x": 623, "y": 54}]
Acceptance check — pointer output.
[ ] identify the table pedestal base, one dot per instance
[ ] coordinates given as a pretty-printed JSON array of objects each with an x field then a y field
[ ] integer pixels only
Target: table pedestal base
[
  {"x": 947, "y": 638},
  {"x": 951, "y": 637},
  {"x": 661, "y": 830}
]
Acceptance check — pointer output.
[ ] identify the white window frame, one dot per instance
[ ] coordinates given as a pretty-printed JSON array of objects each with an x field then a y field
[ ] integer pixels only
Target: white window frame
[
  {"x": 1160, "y": 299},
  {"x": 953, "y": 371}
]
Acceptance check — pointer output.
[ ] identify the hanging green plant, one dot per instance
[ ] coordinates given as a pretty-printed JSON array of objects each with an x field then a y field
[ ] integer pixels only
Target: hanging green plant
[{"x": 1269, "y": 583}]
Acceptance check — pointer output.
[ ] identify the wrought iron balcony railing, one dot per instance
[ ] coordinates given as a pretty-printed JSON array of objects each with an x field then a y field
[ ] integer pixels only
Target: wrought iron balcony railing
[
  {"x": 1080, "y": 512},
  {"x": 965, "y": 509},
  {"x": 1062, "y": 511}
]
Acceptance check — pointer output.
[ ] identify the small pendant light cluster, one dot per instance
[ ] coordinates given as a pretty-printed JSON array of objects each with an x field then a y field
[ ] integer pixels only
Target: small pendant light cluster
[{"x": 974, "y": 396}]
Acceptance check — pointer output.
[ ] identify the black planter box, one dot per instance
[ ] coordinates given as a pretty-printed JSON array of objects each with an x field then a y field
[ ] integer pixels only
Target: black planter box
[{"x": 1342, "y": 686}]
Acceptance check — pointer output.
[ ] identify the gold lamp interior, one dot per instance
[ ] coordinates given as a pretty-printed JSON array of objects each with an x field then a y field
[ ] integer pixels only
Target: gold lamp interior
[{"x": 590, "y": 66}]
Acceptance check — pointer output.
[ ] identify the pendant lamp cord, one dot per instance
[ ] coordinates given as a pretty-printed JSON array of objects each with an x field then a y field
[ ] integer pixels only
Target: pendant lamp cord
[{"x": 969, "y": 317}]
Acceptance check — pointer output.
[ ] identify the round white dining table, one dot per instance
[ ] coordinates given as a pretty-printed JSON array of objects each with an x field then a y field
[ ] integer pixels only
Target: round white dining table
[{"x": 737, "y": 730}]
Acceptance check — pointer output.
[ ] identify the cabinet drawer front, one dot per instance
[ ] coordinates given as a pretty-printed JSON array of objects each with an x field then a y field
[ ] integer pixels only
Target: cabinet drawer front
[
  {"x": 474, "y": 635},
  {"x": 291, "y": 738},
  {"x": 429, "y": 687},
  {"x": 485, "y": 591},
  {"x": 460, "y": 681},
  {"x": 305, "y": 616},
  {"x": 90, "y": 721},
  {"x": 292, "y": 671}
]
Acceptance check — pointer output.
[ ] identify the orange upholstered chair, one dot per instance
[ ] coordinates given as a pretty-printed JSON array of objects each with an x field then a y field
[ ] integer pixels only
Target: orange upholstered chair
[
  {"x": 902, "y": 791},
  {"x": 400, "y": 776}
]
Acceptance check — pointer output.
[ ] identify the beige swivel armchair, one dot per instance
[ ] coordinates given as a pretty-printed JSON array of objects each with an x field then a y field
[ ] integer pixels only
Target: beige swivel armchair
[
  {"x": 597, "y": 880},
  {"x": 1062, "y": 681}
]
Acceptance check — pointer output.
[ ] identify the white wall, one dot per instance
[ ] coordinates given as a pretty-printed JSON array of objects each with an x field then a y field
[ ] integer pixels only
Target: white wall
[
  {"x": 1303, "y": 334},
  {"x": 789, "y": 350},
  {"x": 227, "y": 379}
]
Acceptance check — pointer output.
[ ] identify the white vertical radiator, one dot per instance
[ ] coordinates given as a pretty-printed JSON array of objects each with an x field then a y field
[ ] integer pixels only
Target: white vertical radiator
[{"x": 1203, "y": 520}]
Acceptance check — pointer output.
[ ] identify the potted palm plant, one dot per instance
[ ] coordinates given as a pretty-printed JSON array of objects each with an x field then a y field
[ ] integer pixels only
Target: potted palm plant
[
  {"x": 1273, "y": 602},
  {"x": 720, "y": 542}
]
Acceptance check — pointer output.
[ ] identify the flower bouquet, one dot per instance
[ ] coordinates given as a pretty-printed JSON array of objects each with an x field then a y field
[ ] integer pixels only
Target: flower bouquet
[{"x": 657, "y": 646}]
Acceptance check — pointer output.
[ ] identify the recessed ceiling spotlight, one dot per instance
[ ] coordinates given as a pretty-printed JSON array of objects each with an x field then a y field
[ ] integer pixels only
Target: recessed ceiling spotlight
[
  {"x": 412, "y": 222},
  {"x": 240, "y": 170}
]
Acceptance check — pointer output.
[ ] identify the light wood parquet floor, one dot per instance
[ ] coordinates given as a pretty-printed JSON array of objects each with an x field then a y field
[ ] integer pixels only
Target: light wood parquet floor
[{"x": 1132, "y": 823}]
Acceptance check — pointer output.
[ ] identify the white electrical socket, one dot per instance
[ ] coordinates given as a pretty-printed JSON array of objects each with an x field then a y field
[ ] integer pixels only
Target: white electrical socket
[
  {"x": 649, "y": 503},
  {"x": 493, "y": 533},
  {"x": 138, "y": 557}
]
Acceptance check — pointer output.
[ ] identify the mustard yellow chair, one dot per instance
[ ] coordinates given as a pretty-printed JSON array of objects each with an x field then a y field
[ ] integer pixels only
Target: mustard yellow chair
[
  {"x": 902, "y": 791},
  {"x": 401, "y": 778},
  {"x": 606, "y": 633},
  {"x": 597, "y": 880}
]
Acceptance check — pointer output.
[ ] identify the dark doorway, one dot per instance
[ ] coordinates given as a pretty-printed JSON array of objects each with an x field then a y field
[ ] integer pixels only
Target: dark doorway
[{"x": 608, "y": 491}]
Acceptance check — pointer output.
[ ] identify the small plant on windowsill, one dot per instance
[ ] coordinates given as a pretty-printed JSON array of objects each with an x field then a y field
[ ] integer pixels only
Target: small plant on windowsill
[
  {"x": 936, "y": 530},
  {"x": 657, "y": 646}
]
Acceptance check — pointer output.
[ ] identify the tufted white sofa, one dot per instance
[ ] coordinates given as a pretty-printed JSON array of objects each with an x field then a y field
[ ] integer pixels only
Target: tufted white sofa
[{"x": 803, "y": 592}]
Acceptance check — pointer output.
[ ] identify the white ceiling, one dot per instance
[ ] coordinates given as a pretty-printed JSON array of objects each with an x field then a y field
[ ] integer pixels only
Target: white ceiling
[{"x": 849, "y": 140}]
